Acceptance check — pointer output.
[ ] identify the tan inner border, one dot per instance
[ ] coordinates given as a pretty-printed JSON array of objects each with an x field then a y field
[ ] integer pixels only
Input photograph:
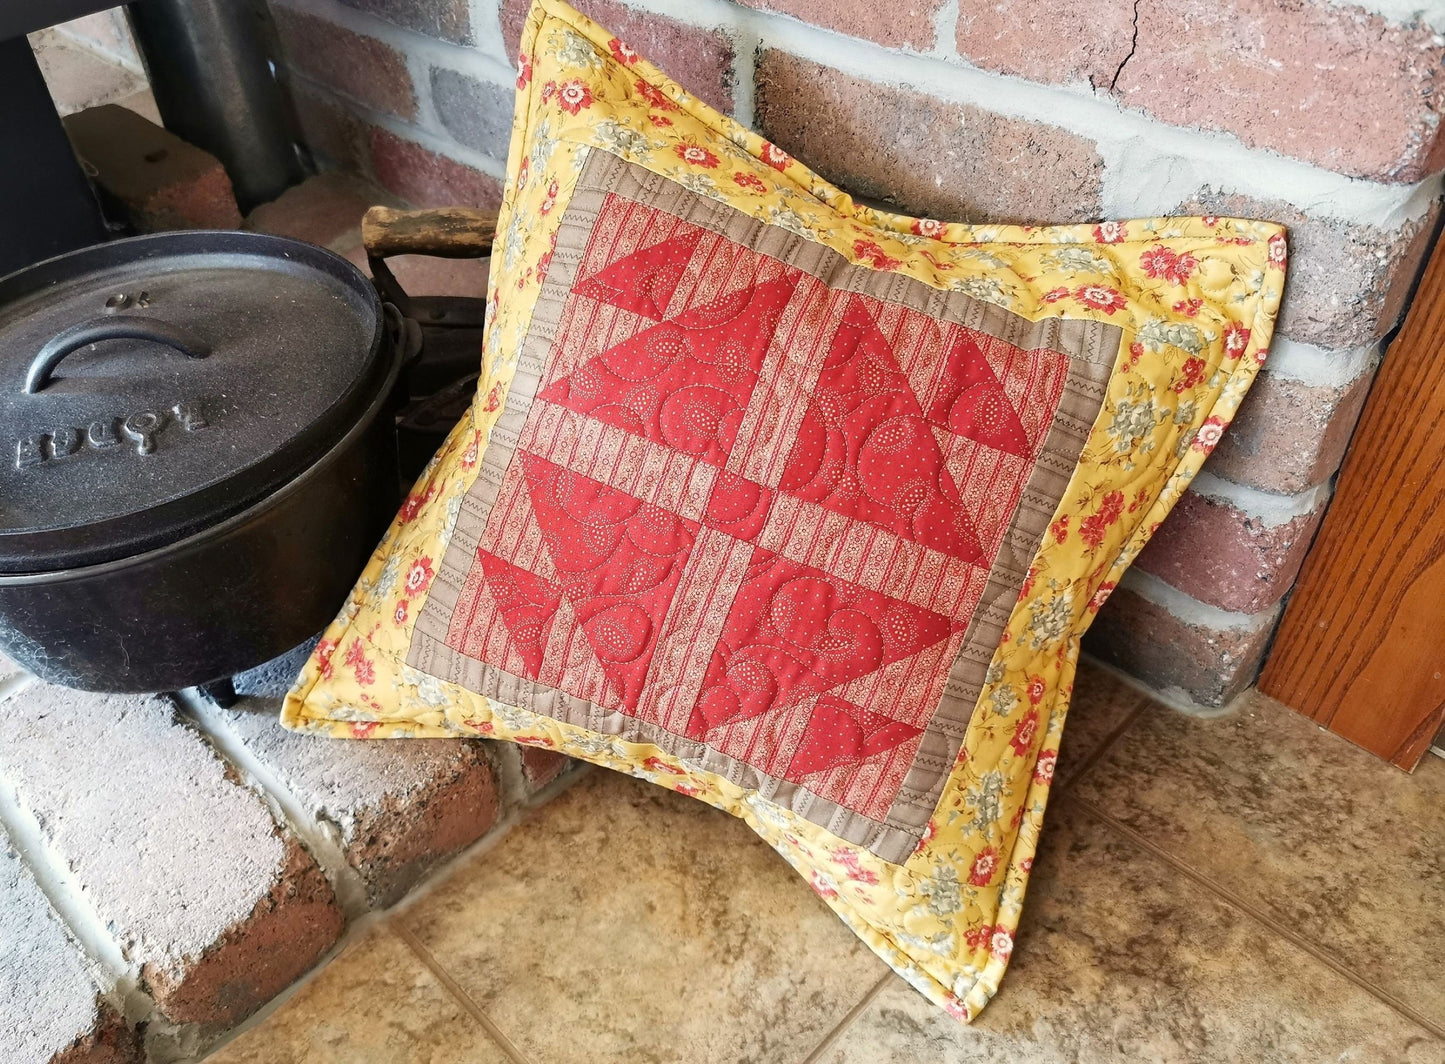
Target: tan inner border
[{"x": 1091, "y": 348}]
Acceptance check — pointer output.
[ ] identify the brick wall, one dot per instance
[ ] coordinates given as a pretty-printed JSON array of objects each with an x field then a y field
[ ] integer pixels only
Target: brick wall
[{"x": 1314, "y": 113}]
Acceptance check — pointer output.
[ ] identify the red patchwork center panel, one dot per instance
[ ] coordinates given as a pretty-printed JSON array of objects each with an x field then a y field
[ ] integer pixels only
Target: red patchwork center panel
[{"x": 752, "y": 510}]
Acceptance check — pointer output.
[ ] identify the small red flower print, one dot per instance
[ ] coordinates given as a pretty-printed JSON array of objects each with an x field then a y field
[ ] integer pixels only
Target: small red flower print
[
  {"x": 625, "y": 55},
  {"x": 1044, "y": 768},
  {"x": 1111, "y": 233},
  {"x": 1278, "y": 251},
  {"x": 550, "y": 200},
  {"x": 687, "y": 789},
  {"x": 523, "y": 172},
  {"x": 1026, "y": 865},
  {"x": 409, "y": 509},
  {"x": 1189, "y": 307},
  {"x": 548, "y": 91},
  {"x": 1236, "y": 339},
  {"x": 1037, "y": 689},
  {"x": 494, "y": 398},
  {"x": 573, "y": 96},
  {"x": 1158, "y": 261},
  {"x": 985, "y": 864},
  {"x": 1060, "y": 529},
  {"x": 978, "y": 936},
  {"x": 469, "y": 456},
  {"x": 848, "y": 860},
  {"x": 660, "y": 121},
  {"x": 928, "y": 227},
  {"x": 1190, "y": 374},
  {"x": 775, "y": 157},
  {"x": 1001, "y": 944},
  {"x": 928, "y": 833},
  {"x": 1100, "y": 297},
  {"x": 1023, "y": 736},
  {"x": 362, "y": 729},
  {"x": 870, "y": 252},
  {"x": 359, "y": 664},
  {"x": 1096, "y": 603},
  {"x": 823, "y": 885},
  {"x": 656, "y": 764},
  {"x": 1053, "y": 295},
  {"x": 1261, "y": 355},
  {"x": 1209, "y": 434},
  {"x": 695, "y": 155},
  {"x": 1093, "y": 527},
  {"x": 749, "y": 181},
  {"x": 654, "y": 96},
  {"x": 1183, "y": 266},
  {"x": 418, "y": 576},
  {"x": 1209, "y": 219},
  {"x": 324, "y": 650},
  {"x": 399, "y": 614},
  {"x": 524, "y": 70},
  {"x": 1136, "y": 352}
]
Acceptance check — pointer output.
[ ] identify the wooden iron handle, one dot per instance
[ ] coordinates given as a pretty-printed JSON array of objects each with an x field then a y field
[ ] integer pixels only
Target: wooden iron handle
[{"x": 443, "y": 232}]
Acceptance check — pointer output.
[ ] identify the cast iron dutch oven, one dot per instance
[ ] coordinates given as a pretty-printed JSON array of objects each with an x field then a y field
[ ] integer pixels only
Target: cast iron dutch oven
[{"x": 200, "y": 454}]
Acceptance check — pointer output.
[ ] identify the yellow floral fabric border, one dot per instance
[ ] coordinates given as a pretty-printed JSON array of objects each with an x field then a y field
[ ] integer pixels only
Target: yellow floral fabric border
[{"x": 1196, "y": 300}]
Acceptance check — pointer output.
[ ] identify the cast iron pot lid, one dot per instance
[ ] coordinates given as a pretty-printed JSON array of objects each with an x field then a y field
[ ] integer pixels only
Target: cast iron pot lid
[{"x": 151, "y": 387}]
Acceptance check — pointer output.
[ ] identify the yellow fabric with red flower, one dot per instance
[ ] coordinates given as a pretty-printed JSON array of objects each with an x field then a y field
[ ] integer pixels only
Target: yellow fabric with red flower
[{"x": 1192, "y": 302}]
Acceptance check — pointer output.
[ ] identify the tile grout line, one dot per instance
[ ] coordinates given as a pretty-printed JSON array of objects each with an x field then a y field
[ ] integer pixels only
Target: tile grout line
[
  {"x": 456, "y": 990},
  {"x": 1263, "y": 918},
  {"x": 831, "y": 1038},
  {"x": 1105, "y": 745}
]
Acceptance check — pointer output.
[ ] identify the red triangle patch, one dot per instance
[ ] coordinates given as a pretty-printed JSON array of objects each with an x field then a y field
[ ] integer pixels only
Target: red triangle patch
[
  {"x": 683, "y": 383},
  {"x": 795, "y": 631},
  {"x": 644, "y": 281},
  {"x": 973, "y": 404},
  {"x": 618, "y": 561},
  {"x": 864, "y": 449},
  {"x": 840, "y": 733},
  {"x": 527, "y": 604}
]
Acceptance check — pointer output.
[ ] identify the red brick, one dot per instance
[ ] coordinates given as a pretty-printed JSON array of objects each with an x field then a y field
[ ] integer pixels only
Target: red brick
[
  {"x": 364, "y": 68},
  {"x": 1323, "y": 82},
  {"x": 325, "y": 209},
  {"x": 207, "y": 894},
  {"x": 157, "y": 180},
  {"x": 1347, "y": 281},
  {"x": 1204, "y": 661},
  {"x": 898, "y": 25},
  {"x": 1216, "y": 553},
  {"x": 699, "y": 60},
  {"x": 426, "y": 179},
  {"x": 449, "y": 20},
  {"x": 541, "y": 767},
  {"x": 51, "y": 1012},
  {"x": 396, "y": 809},
  {"x": 948, "y": 161},
  {"x": 1289, "y": 436}
]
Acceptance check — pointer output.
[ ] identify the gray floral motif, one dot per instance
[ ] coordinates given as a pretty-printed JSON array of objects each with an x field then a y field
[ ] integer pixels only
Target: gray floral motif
[
  {"x": 1049, "y": 619},
  {"x": 987, "y": 801},
  {"x": 1132, "y": 421},
  {"x": 945, "y": 896},
  {"x": 622, "y": 140},
  {"x": 575, "y": 50}
]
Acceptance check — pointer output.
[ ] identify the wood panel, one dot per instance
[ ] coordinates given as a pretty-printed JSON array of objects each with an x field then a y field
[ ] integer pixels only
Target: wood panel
[{"x": 1362, "y": 645}]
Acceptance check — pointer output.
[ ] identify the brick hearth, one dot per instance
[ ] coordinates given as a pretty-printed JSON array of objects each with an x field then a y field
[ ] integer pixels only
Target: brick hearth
[{"x": 170, "y": 867}]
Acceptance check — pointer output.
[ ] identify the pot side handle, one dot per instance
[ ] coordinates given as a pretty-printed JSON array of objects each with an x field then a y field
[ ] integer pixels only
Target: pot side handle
[{"x": 95, "y": 330}]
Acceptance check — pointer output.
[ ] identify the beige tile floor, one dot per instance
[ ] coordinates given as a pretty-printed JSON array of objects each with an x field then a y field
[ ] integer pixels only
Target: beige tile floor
[{"x": 1248, "y": 889}]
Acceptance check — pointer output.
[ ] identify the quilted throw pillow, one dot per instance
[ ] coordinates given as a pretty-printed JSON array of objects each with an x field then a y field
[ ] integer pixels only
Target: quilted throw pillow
[{"x": 789, "y": 504}]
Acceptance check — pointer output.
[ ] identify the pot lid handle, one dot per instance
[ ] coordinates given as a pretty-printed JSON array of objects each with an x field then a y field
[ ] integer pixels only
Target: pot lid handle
[{"x": 133, "y": 327}]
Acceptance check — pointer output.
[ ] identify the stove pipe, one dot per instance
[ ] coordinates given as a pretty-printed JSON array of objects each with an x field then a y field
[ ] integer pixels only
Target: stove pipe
[{"x": 215, "y": 84}]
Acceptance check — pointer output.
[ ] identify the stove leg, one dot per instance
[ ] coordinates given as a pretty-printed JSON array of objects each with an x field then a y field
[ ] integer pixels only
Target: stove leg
[{"x": 221, "y": 693}]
